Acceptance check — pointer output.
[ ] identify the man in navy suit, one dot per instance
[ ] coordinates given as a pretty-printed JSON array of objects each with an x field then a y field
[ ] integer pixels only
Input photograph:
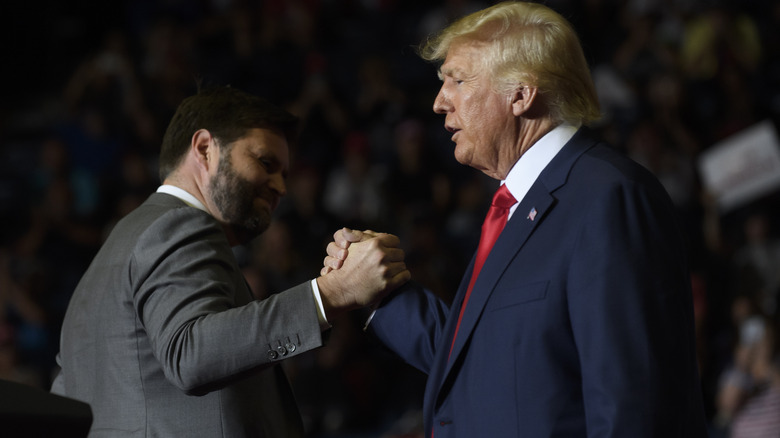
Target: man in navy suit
[{"x": 580, "y": 322}]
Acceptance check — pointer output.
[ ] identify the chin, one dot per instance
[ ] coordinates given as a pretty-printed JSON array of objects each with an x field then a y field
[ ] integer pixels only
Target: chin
[
  {"x": 258, "y": 224},
  {"x": 467, "y": 161},
  {"x": 462, "y": 157}
]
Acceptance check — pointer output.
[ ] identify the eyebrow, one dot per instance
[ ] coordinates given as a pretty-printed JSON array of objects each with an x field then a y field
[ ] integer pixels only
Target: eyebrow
[{"x": 449, "y": 71}]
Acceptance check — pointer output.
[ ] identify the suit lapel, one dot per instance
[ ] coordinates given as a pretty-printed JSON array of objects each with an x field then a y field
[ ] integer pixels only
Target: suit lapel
[{"x": 511, "y": 240}]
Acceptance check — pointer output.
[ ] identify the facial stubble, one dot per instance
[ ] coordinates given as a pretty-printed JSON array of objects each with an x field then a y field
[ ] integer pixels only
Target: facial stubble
[{"x": 234, "y": 198}]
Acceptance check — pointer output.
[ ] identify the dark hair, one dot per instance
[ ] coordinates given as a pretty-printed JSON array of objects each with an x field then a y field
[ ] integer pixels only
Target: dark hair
[{"x": 227, "y": 113}]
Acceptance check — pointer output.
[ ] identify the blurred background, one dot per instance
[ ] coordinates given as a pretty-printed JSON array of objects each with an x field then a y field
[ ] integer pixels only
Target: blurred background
[{"x": 689, "y": 88}]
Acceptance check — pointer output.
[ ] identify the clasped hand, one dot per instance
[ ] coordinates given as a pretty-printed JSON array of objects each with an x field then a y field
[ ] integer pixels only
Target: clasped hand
[{"x": 361, "y": 268}]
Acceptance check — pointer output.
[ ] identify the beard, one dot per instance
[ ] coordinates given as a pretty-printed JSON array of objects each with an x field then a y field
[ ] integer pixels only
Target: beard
[{"x": 234, "y": 198}]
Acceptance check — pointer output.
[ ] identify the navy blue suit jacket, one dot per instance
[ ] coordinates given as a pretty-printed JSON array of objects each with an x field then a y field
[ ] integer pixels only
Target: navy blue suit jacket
[{"x": 580, "y": 323}]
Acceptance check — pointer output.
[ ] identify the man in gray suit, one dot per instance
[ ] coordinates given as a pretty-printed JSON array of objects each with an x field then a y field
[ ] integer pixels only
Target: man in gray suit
[{"x": 162, "y": 336}]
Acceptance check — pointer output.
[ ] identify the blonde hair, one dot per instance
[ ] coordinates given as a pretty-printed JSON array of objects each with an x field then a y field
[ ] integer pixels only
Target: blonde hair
[{"x": 527, "y": 43}]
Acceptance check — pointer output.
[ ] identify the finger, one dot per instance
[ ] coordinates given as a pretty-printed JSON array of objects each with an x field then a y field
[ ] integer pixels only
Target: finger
[
  {"x": 393, "y": 269},
  {"x": 398, "y": 280},
  {"x": 351, "y": 236},
  {"x": 345, "y": 236},
  {"x": 388, "y": 240},
  {"x": 337, "y": 252},
  {"x": 325, "y": 270},
  {"x": 332, "y": 263},
  {"x": 339, "y": 239},
  {"x": 394, "y": 255}
]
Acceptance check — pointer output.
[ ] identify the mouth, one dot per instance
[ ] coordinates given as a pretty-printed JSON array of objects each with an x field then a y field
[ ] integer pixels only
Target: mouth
[
  {"x": 453, "y": 130},
  {"x": 266, "y": 202}
]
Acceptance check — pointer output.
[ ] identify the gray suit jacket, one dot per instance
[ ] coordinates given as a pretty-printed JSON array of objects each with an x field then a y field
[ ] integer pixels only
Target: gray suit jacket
[{"x": 163, "y": 338}]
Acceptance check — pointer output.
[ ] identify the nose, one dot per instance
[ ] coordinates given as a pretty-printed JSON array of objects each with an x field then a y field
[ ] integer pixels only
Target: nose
[
  {"x": 278, "y": 184},
  {"x": 441, "y": 104}
]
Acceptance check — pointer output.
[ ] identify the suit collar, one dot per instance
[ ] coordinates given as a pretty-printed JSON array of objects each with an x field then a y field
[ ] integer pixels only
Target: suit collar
[
  {"x": 165, "y": 199},
  {"x": 556, "y": 173},
  {"x": 531, "y": 164},
  {"x": 182, "y": 194}
]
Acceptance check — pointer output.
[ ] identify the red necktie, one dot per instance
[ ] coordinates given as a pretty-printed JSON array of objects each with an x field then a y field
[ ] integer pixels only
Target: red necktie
[{"x": 491, "y": 228}]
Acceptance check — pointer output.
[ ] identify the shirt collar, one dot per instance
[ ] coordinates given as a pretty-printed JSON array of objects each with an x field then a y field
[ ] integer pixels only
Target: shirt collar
[
  {"x": 530, "y": 165},
  {"x": 183, "y": 195}
]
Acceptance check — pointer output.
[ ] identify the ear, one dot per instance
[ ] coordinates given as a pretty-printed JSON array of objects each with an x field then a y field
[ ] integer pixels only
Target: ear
[
  {"x": 203, "y": 149},
  {"x": 522, "y": 99}
]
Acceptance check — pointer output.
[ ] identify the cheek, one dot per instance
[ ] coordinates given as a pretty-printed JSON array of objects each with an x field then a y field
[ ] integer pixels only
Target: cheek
[
  {"x": 478, "y": 131},
  {"x": 477, "y": 114}
]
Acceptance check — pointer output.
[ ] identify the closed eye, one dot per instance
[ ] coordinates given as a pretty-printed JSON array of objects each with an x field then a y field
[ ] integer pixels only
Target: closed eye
[
  {"x": 272, "y": 166},
  {"x": 268, "y": 164}
]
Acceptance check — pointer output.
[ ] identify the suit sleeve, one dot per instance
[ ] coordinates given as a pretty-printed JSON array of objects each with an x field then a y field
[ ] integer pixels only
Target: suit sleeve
[
  {"x": 629, "y": 303},
  {"x": 194, "y": 305},
  {"x": 410, "y": 322}
]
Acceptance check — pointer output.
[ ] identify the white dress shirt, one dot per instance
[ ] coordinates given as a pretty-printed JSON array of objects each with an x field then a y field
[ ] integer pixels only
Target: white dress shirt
[{"x": 531, "y": 164}]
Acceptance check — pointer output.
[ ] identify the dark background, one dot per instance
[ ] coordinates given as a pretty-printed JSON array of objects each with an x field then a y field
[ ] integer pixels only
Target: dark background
[{"x": 90, "y": 87}]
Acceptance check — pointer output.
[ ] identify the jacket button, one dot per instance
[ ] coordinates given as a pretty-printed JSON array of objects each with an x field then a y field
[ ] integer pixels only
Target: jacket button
[
  {"x": 282, "y": 350},
  {"x": 272, "y": 354},
  {"x": 290, "y": 347}
]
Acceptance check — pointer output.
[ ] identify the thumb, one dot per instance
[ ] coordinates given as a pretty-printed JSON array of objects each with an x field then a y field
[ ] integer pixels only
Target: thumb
[{"x": 353, "y": 236}]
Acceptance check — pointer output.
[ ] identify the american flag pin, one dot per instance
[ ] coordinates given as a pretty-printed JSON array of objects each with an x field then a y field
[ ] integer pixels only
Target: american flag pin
[{"x": 532, "y": 214}]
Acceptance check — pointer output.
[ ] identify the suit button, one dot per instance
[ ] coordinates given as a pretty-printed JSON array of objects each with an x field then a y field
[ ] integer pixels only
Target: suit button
[
  {"x": 282, "y": 350},
  {"x": 272, "y": 354},
  {"x": 290, "y": 347}
]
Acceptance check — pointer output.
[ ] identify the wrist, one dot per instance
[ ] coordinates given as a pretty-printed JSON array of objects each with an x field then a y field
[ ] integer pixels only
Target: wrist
[{"x": 333, "y": 299}]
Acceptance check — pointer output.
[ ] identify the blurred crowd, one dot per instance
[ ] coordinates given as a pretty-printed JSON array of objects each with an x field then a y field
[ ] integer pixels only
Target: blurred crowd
[{"x": 94, "y": 85}]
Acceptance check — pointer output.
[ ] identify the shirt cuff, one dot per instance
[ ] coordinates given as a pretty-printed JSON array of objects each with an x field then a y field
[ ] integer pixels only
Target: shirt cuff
[
  {"x": 324, "y": 324},
  {"x": 368, "y": 320}
]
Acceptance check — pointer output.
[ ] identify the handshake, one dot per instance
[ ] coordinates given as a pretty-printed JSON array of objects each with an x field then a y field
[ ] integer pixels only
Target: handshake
[{"x": 361, "y": 268}]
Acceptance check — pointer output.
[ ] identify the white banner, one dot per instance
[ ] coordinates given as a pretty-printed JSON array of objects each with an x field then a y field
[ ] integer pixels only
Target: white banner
[{"x": 743, "y": 167}]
